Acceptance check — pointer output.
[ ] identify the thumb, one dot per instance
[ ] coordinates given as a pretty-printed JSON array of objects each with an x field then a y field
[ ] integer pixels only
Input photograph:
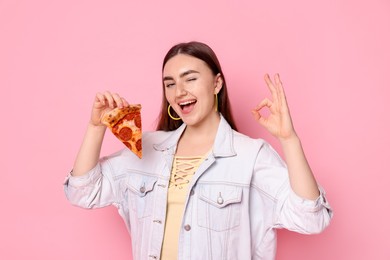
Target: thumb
[{"x": 257, "y": 116}]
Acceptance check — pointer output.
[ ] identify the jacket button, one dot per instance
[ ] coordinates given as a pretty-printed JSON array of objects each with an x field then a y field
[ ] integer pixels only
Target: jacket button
[
  {"x": 142, "y": 189},
  {"x": 187, "y": 227},
  {"x": 220, "y": 199}
]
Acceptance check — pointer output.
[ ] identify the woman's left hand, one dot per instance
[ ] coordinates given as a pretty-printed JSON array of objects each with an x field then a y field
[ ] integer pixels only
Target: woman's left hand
[{"x": 278, "y": 122}]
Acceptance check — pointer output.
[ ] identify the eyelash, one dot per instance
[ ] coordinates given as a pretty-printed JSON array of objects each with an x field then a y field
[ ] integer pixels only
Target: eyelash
[{"x": 171, "y": 84}]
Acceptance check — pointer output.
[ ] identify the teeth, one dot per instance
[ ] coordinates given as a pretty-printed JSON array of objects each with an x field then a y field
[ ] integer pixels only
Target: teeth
[{"x": 186, "y": 103}]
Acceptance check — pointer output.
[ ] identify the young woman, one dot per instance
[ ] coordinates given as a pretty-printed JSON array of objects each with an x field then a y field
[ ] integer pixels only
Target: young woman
[{"x": 202, "y": 190}]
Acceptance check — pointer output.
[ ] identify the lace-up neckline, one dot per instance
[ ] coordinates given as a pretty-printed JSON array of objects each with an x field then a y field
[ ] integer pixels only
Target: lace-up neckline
[{"x": 184, "y": 167}]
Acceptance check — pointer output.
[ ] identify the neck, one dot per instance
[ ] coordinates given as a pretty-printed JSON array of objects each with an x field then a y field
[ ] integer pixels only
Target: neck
[
  {"x": 207, "y": 130},
  {"x": 198, "y": 139}
]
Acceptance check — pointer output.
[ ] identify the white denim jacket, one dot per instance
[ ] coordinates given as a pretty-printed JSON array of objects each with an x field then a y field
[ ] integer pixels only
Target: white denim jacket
[{"x": 237, "y": 198}]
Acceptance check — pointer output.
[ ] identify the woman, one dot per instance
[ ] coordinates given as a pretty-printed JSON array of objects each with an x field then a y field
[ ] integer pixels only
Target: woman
[{"x": 202, "y": 190}]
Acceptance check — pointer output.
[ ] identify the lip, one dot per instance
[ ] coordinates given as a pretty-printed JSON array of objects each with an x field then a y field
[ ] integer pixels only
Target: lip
[{"x": 184, "y": 102}]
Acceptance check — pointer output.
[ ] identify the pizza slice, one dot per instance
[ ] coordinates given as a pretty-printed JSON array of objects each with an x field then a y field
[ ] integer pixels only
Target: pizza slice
[{"x": 125, "y": 124}]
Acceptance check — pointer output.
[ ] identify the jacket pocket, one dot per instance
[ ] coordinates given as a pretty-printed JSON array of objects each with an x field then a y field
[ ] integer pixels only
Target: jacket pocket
[
  {"x": 219, "y": 206},
  {"x": 139, "y": 191}
]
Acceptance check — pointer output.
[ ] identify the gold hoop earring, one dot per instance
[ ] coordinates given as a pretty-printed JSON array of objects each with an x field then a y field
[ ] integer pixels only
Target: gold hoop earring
[
  {"x": 169, "y": 113},
  {"x": 216, "y": 102}
]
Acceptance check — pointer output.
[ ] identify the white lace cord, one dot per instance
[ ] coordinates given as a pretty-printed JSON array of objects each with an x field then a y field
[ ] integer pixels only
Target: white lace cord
[{"x": 183, "y": 168}]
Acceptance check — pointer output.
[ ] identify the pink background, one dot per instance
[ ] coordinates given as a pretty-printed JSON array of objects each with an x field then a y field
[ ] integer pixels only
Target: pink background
[{"x": 334, "y": 60}]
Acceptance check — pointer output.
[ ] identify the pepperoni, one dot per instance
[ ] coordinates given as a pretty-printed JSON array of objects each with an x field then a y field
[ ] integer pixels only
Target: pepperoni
[
  {"x": 129, "y": 116},
  {"x": 138, "y": 145},
  {"x": 137, "y": 121},
  {"x": 128, "y": 145},
  {"x": 125, "y": 133},
  {"x": 115, "y": 129}
]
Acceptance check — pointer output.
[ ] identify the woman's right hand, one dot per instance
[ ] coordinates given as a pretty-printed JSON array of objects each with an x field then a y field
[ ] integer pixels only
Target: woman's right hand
[
  {"x": 89, "y": 152},
  {"x": 103, "y": 103}
]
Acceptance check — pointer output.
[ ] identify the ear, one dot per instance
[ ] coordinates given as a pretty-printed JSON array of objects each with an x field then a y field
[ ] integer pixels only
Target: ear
[{"x": 218, "y": 83}]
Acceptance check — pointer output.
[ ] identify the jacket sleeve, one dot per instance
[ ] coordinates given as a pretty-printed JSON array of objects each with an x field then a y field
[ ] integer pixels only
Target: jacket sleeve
[
  {"x": 289, "y": 210},
  {"x": 302, "y": 215},
  {"x": 95, "y": 189}
]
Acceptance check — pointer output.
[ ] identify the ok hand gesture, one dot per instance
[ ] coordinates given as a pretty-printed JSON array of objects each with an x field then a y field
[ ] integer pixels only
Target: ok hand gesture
[{"x": 279, "y": 122}]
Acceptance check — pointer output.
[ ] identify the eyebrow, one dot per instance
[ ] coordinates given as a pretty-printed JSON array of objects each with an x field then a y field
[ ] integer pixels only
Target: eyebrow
[{"x": 185, "y": 73}]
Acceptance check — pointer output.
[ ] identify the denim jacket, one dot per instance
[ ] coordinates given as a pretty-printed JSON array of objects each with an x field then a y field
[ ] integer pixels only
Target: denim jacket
[{"x": 237, "y": 198}]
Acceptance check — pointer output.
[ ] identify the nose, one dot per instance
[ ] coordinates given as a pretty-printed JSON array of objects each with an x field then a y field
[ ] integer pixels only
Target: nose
[{"x": 180, "y": 90}]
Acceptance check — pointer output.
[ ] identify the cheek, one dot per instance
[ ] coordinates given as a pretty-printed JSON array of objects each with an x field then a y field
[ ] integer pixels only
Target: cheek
[{"x": 169, "y": 95}]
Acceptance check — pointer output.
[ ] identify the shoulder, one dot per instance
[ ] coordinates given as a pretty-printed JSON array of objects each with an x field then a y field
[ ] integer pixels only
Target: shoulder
[
  {"x": 245, "y": 144},
  {"x": 266, "y": 154},
  {"x": 242, "y": 139},
  {"x": 155, "y": 136}
]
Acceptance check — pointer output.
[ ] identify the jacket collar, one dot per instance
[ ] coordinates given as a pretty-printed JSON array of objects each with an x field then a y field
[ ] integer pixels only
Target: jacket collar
[{"x": 223, "y": 144}]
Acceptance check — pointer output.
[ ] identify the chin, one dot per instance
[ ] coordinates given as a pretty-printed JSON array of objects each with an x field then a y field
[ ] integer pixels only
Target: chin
[{"x": 191, "y": 120}]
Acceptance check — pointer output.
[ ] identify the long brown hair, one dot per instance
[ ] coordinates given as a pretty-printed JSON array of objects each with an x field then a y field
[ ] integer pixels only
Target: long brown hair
[{"x": 205, "y": 53}]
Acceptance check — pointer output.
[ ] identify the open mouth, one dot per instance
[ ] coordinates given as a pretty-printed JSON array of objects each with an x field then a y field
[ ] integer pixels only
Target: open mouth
[{"x": 187, "y": 106}]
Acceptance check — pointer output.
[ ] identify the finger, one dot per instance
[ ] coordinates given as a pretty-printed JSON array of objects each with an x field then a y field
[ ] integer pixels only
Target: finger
[
  {"x": 256, "y": 115},
  {"x": 125, "y": 103},
  {"x": 117, "y": 100},
  {"x": 280, "y": 89},
  {"x": 259, "y": 118},
  {"x": 264, "y": 103},
  {"x": 270, "y": 86},
  {"x": 99, "y": 99},
  {"x": 277, "y": 79},
  {"x": 109, "y": 99}
]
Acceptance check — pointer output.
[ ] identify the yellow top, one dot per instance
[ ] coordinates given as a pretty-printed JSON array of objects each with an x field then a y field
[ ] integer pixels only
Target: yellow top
[{"x": 182, "y": 171}]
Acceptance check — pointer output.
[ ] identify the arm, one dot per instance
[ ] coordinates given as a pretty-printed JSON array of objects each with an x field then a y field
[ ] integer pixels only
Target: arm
[
  {"x": 89, "y": 152},
  {"x": 279, "y": 124},
  {"x": 302, "y": 179}
]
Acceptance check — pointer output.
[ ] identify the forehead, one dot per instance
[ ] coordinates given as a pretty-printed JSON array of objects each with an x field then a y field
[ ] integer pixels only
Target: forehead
[{"x": 183, "y": 62}]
